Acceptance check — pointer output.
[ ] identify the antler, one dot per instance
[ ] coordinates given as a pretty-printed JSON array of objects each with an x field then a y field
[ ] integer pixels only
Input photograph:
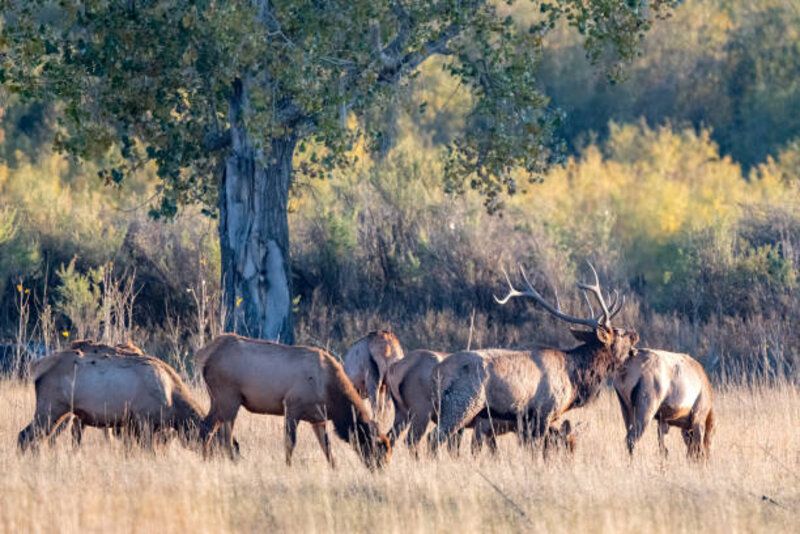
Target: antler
[
  {"x": 604, "y": 318},
  {"x": 532, "y": 293},
  {"x": 607, "y": 313}
]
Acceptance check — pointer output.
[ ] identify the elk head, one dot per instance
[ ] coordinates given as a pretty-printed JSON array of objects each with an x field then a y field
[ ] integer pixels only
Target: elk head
[
  {"x": 375, "y": 448},
  {"x": 618, "y": 342}
]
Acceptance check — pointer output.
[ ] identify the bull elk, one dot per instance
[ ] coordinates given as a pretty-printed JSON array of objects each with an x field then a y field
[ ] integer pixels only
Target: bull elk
[
  {"x": 411, "y": 384},
  {"x": 533, "y": 388},
  {"x": 674, "y": 390},
  {"x": 300, "y": 383}
]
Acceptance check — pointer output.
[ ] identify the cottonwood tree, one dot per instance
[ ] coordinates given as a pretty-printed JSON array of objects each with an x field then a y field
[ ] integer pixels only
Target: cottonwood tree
[{"x": 231, "y": 99}]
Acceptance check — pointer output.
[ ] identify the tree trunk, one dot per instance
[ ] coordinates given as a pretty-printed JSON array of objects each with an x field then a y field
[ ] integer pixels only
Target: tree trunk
[{"x": 254, "y": 232}]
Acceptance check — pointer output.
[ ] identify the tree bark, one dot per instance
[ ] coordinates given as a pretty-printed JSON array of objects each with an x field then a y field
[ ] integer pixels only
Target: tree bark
[{"x": 254, "y": 232}]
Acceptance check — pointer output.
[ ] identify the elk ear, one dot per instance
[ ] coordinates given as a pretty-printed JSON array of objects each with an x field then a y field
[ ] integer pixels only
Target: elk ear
[
  {"x": 604, "y": 335},
  {"x": 634, "y": 336},
  {"x": 584, "y": 336}
]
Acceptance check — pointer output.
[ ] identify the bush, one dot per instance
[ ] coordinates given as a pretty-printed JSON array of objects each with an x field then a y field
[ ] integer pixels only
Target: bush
[{"x": 662, "y": 215}]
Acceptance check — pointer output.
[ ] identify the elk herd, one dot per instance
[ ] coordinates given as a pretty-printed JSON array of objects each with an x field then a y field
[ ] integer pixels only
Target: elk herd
[{"x": 433, "y": 396}]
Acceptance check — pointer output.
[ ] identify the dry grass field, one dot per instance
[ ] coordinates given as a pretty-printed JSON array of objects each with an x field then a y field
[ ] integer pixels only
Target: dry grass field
[{"x": 751, "y": 484}]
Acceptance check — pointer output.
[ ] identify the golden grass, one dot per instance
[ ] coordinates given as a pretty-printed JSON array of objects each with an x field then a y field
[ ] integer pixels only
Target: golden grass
[{"x": 751, "y": 484}]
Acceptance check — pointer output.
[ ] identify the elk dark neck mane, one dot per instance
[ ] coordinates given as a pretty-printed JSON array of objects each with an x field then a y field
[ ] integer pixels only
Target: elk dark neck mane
[{"x": 589, "y": 365}]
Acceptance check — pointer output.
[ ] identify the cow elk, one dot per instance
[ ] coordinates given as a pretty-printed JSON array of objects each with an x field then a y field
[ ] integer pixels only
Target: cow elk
[
  {"x": 300, "y": 383},
  {"x": 532, "y": 388},
  {"x": 136, "y": 395},
  {"x": 411, "y": 387},
  {"x": 674, "y": 390},
  {"x": 411, "y": 384},
  {"x": 366, "y": 364}
]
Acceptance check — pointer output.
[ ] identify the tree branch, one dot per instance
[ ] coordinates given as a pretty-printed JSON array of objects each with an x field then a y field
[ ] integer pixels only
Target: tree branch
[
  {"x": 288, "y": 112},
  {"x": 412, "y": 60},
  {"x": 394, "y": 48}
]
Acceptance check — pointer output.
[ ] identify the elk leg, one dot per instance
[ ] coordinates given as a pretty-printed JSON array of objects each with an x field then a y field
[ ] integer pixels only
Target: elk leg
[
  {"x": 626, "y": 411},
  {"x": 208, "y": 431},
  {"x": 290, "y": 436},
  {"x": 401, "y": 421},
  {"x": 459, "y": 403},
  {"x": 45, "y": 421},
  {"x": 113, "y": 432},
  {"x": 219, "y": 421},
  {"x": 709, "y": 431},
  {"x": 416, "y": 431},
  {"x": 698, "y": 442},
  {"x": 454, "y": 443},
  {"x": 324, "y": 441},
  {"x": 131, "y": 433},
  {"x": 479, "y": 435},
  {"x": 226, "y": 440},
  {"x": 61, "y": 427},
  {"x": 477, "y": 442},
  {"x": 483, "y": 432},
  {"x": 644, "y": 409},
  {"x": 148, "y": 435},
  {"x": 663, "y": 430},
  {"x": 694, "y": 441},
  {"x": 77, "y": 432},
  {"x": 539, "y": 430},
  {"x": 491, "y": 441}
]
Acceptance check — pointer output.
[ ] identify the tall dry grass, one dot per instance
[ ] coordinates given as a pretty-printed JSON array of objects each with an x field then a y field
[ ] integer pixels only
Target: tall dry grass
[{"x": 752, "y": 482}]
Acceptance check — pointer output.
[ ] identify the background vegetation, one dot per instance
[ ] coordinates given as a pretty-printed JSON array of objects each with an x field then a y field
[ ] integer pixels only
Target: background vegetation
[{"x": 680, "y": 183}]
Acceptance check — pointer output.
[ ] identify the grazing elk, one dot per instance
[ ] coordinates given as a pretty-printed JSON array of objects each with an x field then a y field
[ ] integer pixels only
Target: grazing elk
[
  {"x": 94, "y": 348},
  {"x": 366, "y": 364},
  {"x": 533, "y": 388},
  {"x": 674, "y": 390},
  {"x": 300, "y": 383},
  {"x": 137, "y": 395}
]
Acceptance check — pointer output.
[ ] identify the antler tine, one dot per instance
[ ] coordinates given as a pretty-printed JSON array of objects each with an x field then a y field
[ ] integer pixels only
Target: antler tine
[
  {"x": 534, "y": 294},
  {"x": 555, "y": 295},
  {"x": 594, "y": 272},
  {"x": 615, "y": 309},
  {"x": 595, "y": 290},
  {"x": 525, "y": 279},
  {"x": 588, "y": 304},
  {"x": 616, "y": 298},
  {"x": 512, "y": 292},
  {"x": 533, "y": 289}
]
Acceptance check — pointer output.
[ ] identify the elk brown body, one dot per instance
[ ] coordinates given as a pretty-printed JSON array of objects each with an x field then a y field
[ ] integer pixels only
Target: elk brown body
[
  {"x": 674, "y": 390},
  {"x": 300, "y": 383},
  {"x": 410, "y": 385},
  {"x": 108, "y": 388}
]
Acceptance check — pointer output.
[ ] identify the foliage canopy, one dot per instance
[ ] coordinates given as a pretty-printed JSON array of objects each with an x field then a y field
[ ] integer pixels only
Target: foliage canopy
[{"x": 150, "y": 80}]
